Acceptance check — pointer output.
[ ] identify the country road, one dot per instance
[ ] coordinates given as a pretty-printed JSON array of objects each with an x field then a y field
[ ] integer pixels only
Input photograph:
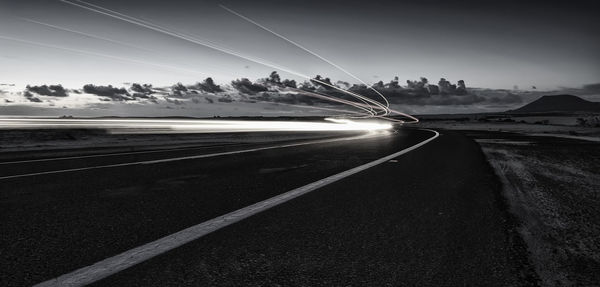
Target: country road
[{"x": 432, "y": 216}]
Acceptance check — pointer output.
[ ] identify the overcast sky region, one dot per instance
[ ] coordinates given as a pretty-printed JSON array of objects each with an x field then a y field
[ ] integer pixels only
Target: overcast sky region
[{"x": 497, "y": 45}]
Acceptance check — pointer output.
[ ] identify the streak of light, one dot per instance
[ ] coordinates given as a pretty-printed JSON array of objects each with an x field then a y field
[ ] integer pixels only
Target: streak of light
[
  {"x": 387, "y": 104},
  {"x": 361, "y": 106},
  {"x": 101, "y": 55},
  {"x": 157, "y": 28},
  {"x": 85, "y": 34},
  {"x": 382, "y": 111},
  {"x": 193, "y": 126},
  {"x": 160, "y": 29}
]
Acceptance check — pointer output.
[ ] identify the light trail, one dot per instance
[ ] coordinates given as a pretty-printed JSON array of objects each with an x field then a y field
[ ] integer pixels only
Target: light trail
[
  {"x": 192, "y": 126},
  {"x": 157, "y": 28},
  {"x": 365, "y": 107},
  {"x": 387, "y": 104},
  {"x": 101, "y": 55},
  {"x": 84, "y": 34},
  {"x": 376, "y": 108},
  {"x": 148, "y": 25}
]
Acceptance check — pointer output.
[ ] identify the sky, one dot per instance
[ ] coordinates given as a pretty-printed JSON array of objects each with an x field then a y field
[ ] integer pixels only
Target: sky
[{"x": 489, "y": 44}]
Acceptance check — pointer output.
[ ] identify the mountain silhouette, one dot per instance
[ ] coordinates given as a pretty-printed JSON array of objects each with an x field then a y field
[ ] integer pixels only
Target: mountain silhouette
[{"x": 559, "y": 103}]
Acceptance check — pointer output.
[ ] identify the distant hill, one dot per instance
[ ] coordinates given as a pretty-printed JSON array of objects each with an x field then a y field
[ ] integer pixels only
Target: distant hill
[{"x": 558, "y": 103}]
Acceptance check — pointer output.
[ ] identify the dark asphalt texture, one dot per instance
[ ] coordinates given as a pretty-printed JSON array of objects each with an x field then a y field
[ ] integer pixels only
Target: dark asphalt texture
[
  {"x": 54, "y": 224},
  {"x": 117, "y": 155},
  {"x": 434, "y": 217}
]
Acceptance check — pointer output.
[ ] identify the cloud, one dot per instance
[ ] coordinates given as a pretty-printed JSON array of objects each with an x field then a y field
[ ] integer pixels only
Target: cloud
[
  {"x": 423, "y": 93},
  {"x": 245, "y": 86},
  {"x": 143, "y": 92},
  {"x": 174, "y": 101},
  {"x": 225, "y": 99},
  {"x": 51, "y": 91},
  {"x": 179, "y": 91},
  {"x": 282, "y": 97},
  {"x": 419, "y": 93},
  {"x": 109, "y": 92},
  {"x": 143, "y": 89},
  {"x": 318, "y": 80},
  {"x": 208, "y": 85},
  {"x": 29, "y": 96},
  {"x": 422, "y": 99}
]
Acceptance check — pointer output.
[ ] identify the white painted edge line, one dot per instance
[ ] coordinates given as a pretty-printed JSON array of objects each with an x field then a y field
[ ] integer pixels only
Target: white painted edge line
[
  {"x": 104, "y": 155},
  {"x": 183, "y": 147},
  {"x": 182, "y": 158},
  {"x": 120, "y": 262}
]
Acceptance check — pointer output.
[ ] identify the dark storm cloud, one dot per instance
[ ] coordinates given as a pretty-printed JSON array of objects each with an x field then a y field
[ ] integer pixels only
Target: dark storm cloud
[
  {"x": 51, "y": 91},
  {"x": 245, "y": 86},
  {"x": 109, "y": 92}
]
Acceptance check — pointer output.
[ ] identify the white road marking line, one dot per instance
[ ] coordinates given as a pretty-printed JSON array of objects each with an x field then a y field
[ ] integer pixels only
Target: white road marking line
[
  {"x": 107, "y": 154},
  {"x": 182, "y": 158},
  {"x": 120, "y": 262}
]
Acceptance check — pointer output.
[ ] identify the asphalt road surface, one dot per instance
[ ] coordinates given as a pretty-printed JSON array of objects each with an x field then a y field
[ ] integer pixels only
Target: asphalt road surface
[{"x": 433, "y": 216}]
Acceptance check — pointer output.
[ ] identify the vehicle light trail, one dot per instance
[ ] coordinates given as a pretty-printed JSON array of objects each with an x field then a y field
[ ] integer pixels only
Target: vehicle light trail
[
  {"x": 160, "y": 29},
  {"x": 192, "y": 126},
  {"x": 387, "y": 104},
  {"x": 85, "y": 34},
  {"x": 101, "y": 55},
  {"x": 382, "y": 110}
]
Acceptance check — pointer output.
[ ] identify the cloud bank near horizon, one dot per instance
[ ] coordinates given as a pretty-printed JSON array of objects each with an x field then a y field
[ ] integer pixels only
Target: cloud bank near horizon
[{"x": 415, "y": 96}]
